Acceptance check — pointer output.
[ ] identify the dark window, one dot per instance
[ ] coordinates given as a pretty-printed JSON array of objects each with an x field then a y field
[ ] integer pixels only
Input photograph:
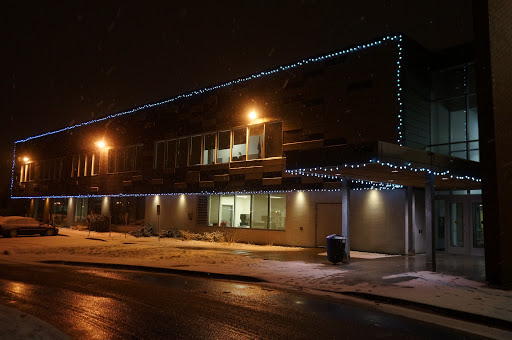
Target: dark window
[
  {"x": 195, "y": 150},
  {"x": 159, "y": 155},
  {"x": 223, "y": 146},
  {"x": 182, "y": 152},
  {"x": 170, "y": 159},
  {"x": 239, "y": 144},
  {"x": 273, "y": 139}
]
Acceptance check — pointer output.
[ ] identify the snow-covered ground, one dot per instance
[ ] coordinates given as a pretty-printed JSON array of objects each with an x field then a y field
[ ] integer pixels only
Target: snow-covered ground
[{"x": 234, "y": 258}]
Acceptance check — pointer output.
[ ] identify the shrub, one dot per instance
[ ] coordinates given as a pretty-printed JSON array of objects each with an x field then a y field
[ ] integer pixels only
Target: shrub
[
  {"x": 214, "y": 236},
  {"x": 144, "y": 230},
  {"x": 171, "y": 233},
  {"x": 99, "y": 223},
  {"x": 189, "y": 235}
]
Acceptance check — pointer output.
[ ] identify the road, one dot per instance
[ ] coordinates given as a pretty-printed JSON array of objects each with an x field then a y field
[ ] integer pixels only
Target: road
[{"x": 92, "y": 303}]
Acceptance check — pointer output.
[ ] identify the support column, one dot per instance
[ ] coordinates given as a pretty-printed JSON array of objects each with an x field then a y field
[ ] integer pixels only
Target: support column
[
  {"x": 31, "y": 212},
  {"x": 105, "y": 206},
  {"x": 345, "y": 216},
  {"x": 430, "y": 237},
  {"x": 409, "y": 230},
  {"x": 70, "y": 218},
  {"x": 46, "y": 211}
]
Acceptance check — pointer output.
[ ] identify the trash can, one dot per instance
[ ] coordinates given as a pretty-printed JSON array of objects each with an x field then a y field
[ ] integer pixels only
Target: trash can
[{"x": 335, "y": 248}]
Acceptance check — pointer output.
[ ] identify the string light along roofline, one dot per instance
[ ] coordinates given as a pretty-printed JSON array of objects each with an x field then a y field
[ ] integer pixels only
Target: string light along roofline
[
  {"x": 321, "y": 172},
  {"x": 369, "y": 186},
  {"x": 356, "y": 48}
]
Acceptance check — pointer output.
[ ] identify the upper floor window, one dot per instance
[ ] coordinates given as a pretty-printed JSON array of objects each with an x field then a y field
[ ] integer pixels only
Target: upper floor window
[
  {"x": 85, "y": 164},
  {"x": 125, "y": 159},
  {"x": 240, "y": 144}
]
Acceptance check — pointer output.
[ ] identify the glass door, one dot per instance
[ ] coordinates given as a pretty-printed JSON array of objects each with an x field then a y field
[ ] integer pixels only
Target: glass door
[
  {"x": 456, "y": 227},
  {"x": 465, "y": 231},
  {"x": 477, "y": 228}
]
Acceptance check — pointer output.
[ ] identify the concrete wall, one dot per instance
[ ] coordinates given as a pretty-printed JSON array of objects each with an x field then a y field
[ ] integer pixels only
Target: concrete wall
[
  {"x": 177, "y": 211},
  {"x": 377, "y": 221}
]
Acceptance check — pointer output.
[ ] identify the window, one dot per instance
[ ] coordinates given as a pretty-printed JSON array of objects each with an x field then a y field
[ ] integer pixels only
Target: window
[
  {"x": 112, "y": 156},
  {"x": 170, "y": 157},
  {"x": 27, "y": 172},
  {"x": 223, "y": 146},
  {"x": 246, "y": 143},
  {"x": 277, "y": 211},
  {"x": 159, "y": 155},
  {"x": 213, "y": 210},
  {"x": 195, "y": 150},
  {"x": 182, "y": 156},
  {"x": 243, "y": 211},
  {"x": 209, "y": 149},
  {"x": 255, "y": 142},
  {"x": 274, "y": 139},
  {"x": 125, "y": 159},
  {"x": 248, "y": 211},
  {"x": 454, "y": 116},
  {"x": 227, "y": 207},
  {"x": 239, "y": 144}
]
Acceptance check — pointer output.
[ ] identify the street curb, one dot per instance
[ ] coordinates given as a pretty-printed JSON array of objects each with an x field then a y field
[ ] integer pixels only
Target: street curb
[
  {"x": 193, "y": 273},
  {"x": 461, "y": 315}
]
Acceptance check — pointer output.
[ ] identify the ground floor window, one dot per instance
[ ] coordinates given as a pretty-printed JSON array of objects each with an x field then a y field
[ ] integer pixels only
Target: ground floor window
[
  {"x": 247, "y": 211},
  {"x": 127, "y": 210}
]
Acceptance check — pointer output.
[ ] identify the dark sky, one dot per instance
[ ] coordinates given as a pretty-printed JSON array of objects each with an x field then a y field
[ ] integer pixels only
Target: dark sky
[{"x": 70, "y": 61}]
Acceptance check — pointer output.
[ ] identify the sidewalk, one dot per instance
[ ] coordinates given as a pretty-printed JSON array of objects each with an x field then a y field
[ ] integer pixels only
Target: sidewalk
[{"x": 457, "y": 289}]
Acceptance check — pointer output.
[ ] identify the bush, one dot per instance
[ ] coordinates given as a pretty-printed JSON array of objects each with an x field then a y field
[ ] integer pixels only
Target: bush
[
  {"x": 99, "y": 223},
  {"x": 144, "y": 230},
  {"x": 189, "y": 235},
  {"x": 170, "y": 233},
  {"x": 214, "y": 236}
]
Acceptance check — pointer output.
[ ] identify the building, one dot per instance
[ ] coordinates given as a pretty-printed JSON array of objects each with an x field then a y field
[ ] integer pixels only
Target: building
[{"x": 368, "y": 141}]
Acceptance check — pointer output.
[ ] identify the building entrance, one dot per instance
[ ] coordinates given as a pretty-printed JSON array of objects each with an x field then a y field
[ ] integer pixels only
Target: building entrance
[{"x": 459, "y": 225}]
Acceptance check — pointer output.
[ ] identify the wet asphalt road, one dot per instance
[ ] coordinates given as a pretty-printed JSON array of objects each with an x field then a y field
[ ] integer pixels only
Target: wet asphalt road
[{"x": 91, "y": 303}]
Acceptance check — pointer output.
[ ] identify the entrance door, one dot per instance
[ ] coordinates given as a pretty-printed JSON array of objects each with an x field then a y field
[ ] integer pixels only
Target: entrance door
[
  {"x": 328, "y": 222},
  {"x": 464, "y": 227}
]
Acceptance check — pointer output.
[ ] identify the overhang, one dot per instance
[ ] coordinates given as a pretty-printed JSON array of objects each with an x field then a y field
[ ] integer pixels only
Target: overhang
[{"x": 383, "y": 163}]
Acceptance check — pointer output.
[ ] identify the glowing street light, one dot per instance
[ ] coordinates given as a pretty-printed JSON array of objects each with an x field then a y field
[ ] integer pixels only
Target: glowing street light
[
  {"x": 25, "y": 159},
  {"x": 252, "y": 115},
  {"x": 100, "y": 144}
]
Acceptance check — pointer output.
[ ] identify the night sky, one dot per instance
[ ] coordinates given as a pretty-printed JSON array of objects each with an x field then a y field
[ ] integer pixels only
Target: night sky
[{"x": 66, "y": 62}]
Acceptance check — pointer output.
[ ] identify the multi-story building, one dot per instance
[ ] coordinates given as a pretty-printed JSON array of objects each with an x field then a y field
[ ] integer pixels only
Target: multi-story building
[{"x": 347, "y": 142}]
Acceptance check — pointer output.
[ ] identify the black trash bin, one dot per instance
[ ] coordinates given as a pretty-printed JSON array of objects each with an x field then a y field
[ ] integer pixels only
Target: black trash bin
[{"x": 335, "y": 248}]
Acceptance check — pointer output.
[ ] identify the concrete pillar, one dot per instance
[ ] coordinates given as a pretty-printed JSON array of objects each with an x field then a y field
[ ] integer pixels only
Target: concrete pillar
[
  {"x": 345, "y": 216},
  {"x": 70, "y": 217},
  {"x": 105, "y": 206},
  {"x": 430, "y": 237},
  {"x": 46, "y": 211},
  {"x": 409, "y": 223},
  {"x": 31, "y": 212}
]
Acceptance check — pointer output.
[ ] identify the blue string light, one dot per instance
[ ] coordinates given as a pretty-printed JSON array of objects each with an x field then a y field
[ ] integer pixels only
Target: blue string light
[{"x": 202, "y": 193}]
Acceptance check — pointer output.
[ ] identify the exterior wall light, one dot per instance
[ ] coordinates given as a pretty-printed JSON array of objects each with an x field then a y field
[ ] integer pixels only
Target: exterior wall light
[
  {"x": 100, "y": 144},
  {"x": 25, "y": 159},
  {"x": 253, "y": 115}
]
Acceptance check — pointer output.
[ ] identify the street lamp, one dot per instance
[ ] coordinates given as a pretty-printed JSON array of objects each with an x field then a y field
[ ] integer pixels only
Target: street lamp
[
  {"x": 100, "y": 144},
  {"x": 253, "y": 115}
]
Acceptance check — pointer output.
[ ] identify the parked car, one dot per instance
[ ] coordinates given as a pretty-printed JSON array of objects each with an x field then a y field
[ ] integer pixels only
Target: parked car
[{"x": 12, "y": 226}]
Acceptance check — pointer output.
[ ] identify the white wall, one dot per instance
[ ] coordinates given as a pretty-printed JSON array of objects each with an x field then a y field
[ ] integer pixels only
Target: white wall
[
  {"x": 377, "y": 221},
  {"x": 175, "y": 211}
]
